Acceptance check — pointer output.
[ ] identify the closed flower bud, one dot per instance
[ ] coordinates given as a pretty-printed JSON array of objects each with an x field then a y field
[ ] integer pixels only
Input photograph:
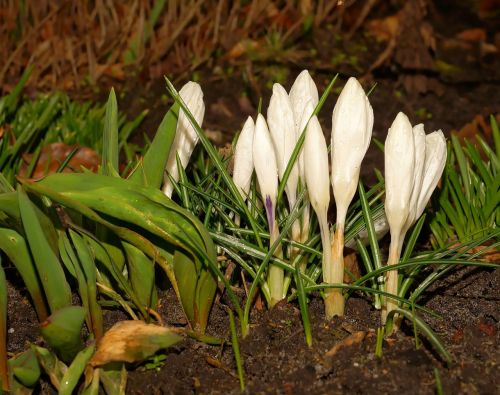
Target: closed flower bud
[
  {"x": 185, "y": 136},
  {"x": 316, "y": 167},
  {"x": 352, "y": 124},
  {"x": 399, "y": 167},
  {"x": 266, "y": 167},
  {"x": 282, "y": 129},
  {"x": 243, "y": 158}
]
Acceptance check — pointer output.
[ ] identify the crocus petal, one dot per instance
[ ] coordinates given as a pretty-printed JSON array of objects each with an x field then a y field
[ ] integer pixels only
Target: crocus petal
[
  {"x": 435, "y": 160},
  {"x": 304, "y": 118},
  {"x": 303, "y": 90},
  {"x": 418, "y": 171},
  {"x": 399, "y": 164},
  {"x": 264, "y": 160},
  {"x": 352, "y": 123},
  {"x": 316, "y": 166},
  {"x": 282, "y": 129},
  {"x": 185, "y": 136},
  {"x": 243, "y": 158}
]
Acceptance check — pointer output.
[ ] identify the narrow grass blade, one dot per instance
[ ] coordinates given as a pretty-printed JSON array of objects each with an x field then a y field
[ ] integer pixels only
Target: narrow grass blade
[
  {"x": 425, "y": 330},
  {"x": 236, "y": 350},
  {"x": 110, "y": 140}
]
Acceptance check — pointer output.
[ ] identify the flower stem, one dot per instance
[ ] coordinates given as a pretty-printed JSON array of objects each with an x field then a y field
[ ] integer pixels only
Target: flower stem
[
  {"x": 392, "y": 279},
  {"x": 275, "y": 277},
  {"x": 335, "y": 302}
]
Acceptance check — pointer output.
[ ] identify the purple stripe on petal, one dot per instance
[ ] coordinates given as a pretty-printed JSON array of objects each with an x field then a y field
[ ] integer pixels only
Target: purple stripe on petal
[{"x": 269, "y": 211}]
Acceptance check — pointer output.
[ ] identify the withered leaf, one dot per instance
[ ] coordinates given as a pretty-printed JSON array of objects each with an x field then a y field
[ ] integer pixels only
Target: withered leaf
[{"x": 132, "y": 341}]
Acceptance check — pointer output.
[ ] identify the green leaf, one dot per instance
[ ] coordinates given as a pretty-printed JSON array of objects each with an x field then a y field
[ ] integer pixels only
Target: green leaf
[
  {"x": 75, "y": 370},
  {"x": 4, "y": 375},
  {"x": 62, "y": 331},
  {"x": 156, "y": 157},
  {"x": 25, "y": 368},
  {"x": 187, "y": 277},
  {"x": 14, "y": 246},
  {"x": 141, "y": 273},
  {"x": 49, "y": 269}
]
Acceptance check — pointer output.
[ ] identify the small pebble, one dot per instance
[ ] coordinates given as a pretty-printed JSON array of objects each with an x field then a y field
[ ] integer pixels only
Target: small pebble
[{"x": 11, "y": 330}]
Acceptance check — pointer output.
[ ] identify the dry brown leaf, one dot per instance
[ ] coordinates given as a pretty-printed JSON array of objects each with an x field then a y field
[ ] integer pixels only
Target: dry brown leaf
[
  {"x": 132, "y": 341},
  {"x": 351, "y": 264},
  {"x": 472, "y": 35},
  {"x": 349, "y": 341},
  {"x": 490, "y": 255},
  {"x": 52, "y": 155},
  {"x": 478, "y": 126},
  {"x": 384, "y": 29}
]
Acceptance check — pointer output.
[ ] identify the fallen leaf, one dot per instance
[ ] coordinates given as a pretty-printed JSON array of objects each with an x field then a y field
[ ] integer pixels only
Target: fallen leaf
[
  {"x": 132, "y": 341},
  {"x": 472, "y": 35},
  {"x": 52, "y": 155},
  {"x": 349, "y": 341},
  {"x": 351, "y": 264},
  {"x": 384, "y": 29}
]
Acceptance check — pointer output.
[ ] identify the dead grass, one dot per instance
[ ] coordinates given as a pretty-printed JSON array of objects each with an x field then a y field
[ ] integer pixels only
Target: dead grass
[{"x": 76, "y": 44}]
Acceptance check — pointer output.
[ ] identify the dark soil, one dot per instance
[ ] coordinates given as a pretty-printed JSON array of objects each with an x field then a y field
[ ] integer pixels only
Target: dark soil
[{"x": 277, "y": 360}]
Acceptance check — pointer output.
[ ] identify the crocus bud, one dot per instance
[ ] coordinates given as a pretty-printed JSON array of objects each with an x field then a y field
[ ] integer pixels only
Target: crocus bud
[
  {"x": 399, "y": 167},
  {"x": 318, "y": 184},
  {"x": 185, "y": 135},
  {"x": 352, "y": 123},
  {"x": 435, "y": 160},
  {"x": 316, "y": 167},
  {"x": 304, "y": 98},
  {"x": 282, "y": 128},
  {"x": 266, "y": 168},
  {"x": 243, "y": 158}
]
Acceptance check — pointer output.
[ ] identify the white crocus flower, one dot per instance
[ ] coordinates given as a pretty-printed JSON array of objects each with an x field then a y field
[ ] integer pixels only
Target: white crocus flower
[
  {"x": 414, "y": 163},
  {"x": 318, "y": 182},
  {"x": 304, "y": 98},
  {"x": 304, "y": 119},
  {"x": 399, "y": 178},
  {"x": 266, "y": 169},
  {"x": 185, "y": 136},
  {"x": 302, "y": 92},
  {"x": 243, "y": 159},
  {"x": 282, "y": 127},
  {"x": 352, "y": 124}
]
